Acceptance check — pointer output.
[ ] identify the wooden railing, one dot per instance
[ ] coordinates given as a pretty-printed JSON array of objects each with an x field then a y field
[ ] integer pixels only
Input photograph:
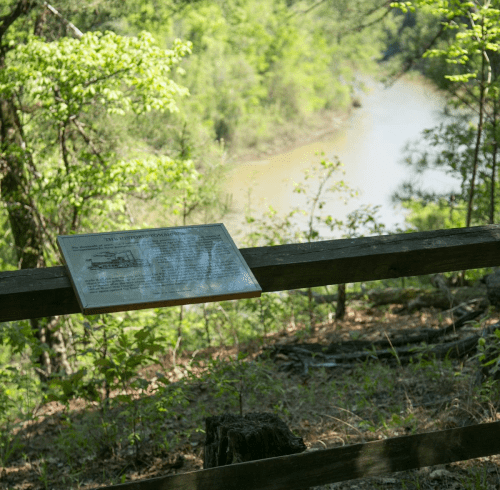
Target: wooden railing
[
  {"x": 36, "y": 293},
  {"x": 33, "y": 293}
]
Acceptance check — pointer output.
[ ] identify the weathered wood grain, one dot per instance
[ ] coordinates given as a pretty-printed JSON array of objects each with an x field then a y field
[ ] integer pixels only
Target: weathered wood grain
[
  {"x": 300, "y": 471},
  {"x": 36, "y": 293},
  {"x": 365, "y": 259}
]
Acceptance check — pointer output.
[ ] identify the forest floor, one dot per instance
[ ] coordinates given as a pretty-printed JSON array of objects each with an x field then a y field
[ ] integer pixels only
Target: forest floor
[{"x": 371, "y": 400}]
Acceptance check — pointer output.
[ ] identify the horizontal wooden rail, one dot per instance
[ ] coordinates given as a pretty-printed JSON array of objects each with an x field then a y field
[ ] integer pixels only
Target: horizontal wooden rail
[
  {"x": 300, "y": 471},
  {"x": 33, "y": 293}
]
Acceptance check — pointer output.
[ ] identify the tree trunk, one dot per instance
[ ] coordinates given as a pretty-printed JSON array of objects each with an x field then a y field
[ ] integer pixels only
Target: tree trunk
[
  {"x": 14, "y": 190},
  {"x": 340, "y": 311},
  {"x": 494, "y": 152},
  {"x": 482, "y": 95},
  {"x": 310, "y": 309},
  {"x": 17, "y": 171}
]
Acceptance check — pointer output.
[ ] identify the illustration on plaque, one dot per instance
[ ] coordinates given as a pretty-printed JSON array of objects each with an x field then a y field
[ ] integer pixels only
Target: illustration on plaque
[{"x": 115, "y": 260}]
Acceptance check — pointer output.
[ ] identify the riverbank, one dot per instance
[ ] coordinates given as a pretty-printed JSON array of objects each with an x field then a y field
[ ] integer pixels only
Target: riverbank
[
  {"x": 323, "y": 124},
  {"x": 292, "y": 135}
]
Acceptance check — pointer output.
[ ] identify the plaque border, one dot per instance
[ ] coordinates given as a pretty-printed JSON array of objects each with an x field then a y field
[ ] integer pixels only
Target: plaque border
[{"x": 93, "y": 310}]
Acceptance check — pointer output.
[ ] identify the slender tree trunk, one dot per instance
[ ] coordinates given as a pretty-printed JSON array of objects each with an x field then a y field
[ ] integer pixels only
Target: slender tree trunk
[
  {"x": 482, "y": 93},
  {"x": 40, "y": 20},
  {"x": 493, "y": 162},
  {"x": 181, "y": 317},
  {"x": 340, "y": 311},
  {"x": 311, "y": 310},
  {"x": 262, "y": 317},
  {"x": 207, "y": 329}
]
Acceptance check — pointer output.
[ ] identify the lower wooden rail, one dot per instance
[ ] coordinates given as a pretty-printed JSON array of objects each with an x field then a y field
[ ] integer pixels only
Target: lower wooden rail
[{"x": 300, "y": 471}]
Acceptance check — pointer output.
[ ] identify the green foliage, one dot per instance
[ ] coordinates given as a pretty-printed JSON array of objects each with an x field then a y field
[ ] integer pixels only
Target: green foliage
[
  {"x": 7, "y": 250},
  {"x": 18, "y": 404},
  {"x": 112, "y": 376},
  {"x": 67, "y": 77},
  {"x": 477, "y": 29},
  {"x": 239, "y": 383},
  {"x": 433, "y": 215},
  {"x": 106, "y": 126},
  {"x": 110, "y": 360},
  {"x": 275, "y": 230},
  {"x": 61, "y": 88},
  {"x": 467, "y": 44},
  {"x": 17, "y": 336},
  {"x": 478, "y": 480},
  {"x": 489, "y": 358},
  {"x": 450, "y": 147},
  {"x": 256, "y": 66}
]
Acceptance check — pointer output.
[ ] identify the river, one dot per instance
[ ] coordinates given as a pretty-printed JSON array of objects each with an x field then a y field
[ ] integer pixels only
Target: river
[{"x": 370, "y": 145}]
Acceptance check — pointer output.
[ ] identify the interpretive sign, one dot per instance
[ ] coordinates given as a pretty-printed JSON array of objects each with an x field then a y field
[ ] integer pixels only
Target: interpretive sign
[{"x": 131, "y": 270}]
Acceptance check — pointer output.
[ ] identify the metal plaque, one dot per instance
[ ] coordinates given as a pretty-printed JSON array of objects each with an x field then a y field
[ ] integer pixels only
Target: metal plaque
[{"x": 131, "y": 270}]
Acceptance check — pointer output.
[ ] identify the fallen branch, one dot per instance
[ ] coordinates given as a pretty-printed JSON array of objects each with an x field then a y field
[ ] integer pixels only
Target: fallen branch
[
  {"x": 306, "y": 356},
  {"x": 403, "y": 337},
  {"x": 414, "y": 298},
  {"x": 389, "y": 296}
]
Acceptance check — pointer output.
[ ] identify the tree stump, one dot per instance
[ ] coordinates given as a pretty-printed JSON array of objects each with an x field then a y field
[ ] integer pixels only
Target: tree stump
[{"x": 235, "y": 439}]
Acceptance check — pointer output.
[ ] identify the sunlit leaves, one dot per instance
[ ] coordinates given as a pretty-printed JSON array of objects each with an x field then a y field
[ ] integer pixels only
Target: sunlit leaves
[
  {"x": 470, "y": 50},
  {"x": 437, "y": 215},
  {"x": 476, "y": 27},
  {"x": 120, "y": 73},
  {"x": 61, "y": 87}
]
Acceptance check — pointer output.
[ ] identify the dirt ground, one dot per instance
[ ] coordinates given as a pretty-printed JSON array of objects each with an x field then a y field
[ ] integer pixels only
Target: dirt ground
[{"x": 370, "y": 400}]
